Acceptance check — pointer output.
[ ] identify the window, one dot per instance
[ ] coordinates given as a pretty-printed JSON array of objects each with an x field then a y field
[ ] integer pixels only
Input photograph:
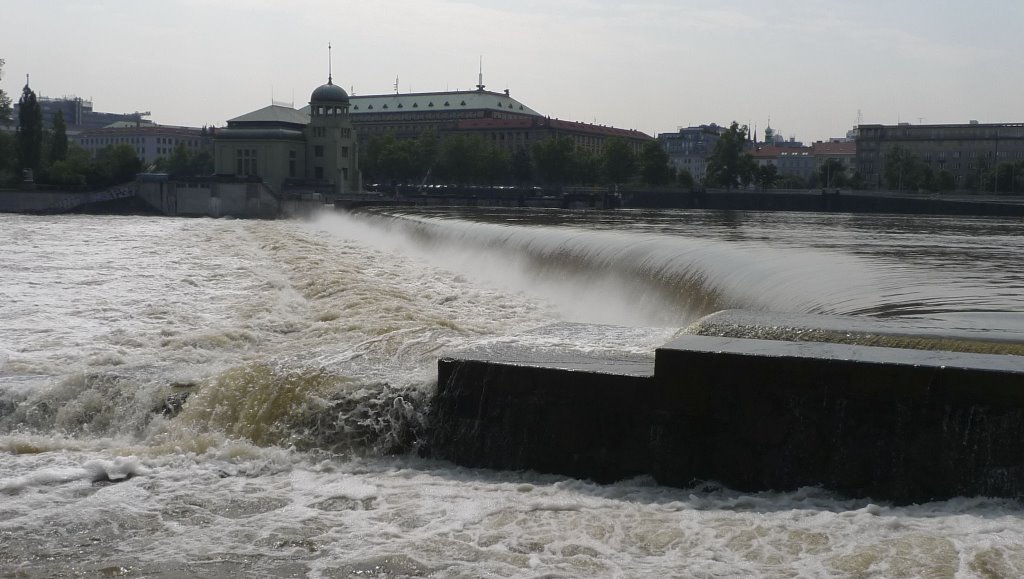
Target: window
[
  {"x": 318, "y": 173},
  {"x": 344, "y": 152},
  {"x": 318, "y": 151},
  {"x": 291, "y": 163},
  {"x": 245, "y": 161}
]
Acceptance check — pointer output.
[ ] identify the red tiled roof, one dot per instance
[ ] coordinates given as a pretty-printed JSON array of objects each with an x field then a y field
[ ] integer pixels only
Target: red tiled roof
[{"x": 823, "y": 148}]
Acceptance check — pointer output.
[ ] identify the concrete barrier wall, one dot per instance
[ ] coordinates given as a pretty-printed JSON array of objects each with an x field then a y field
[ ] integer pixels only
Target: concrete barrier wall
[
  {"x": 60, "y": 202},
  {"x": 210, "y": 199},
  {"x": 906, "y": 425},
  {"x": 507, "y": 416},
  {"x": 823, "y": 202},
  {"x": 895, "y": 424}
]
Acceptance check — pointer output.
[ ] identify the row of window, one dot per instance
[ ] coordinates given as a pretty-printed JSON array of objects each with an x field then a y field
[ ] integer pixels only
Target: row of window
[
  {"x": 95, "y": 141},
  {"x": 325, "y": 111},
  {"x": 367, "y": 118},
  {"x": 322, "y": 132}
]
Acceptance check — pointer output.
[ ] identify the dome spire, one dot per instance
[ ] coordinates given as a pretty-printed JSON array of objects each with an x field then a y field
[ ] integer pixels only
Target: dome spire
[{"x": 330, "y": 65}]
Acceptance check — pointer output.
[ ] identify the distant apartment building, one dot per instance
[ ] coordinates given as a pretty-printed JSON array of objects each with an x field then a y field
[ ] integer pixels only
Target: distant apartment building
[
  {"x": 839, "y": 150},
  {"x": 966, "y": 151},
  {"x": 690, "y": 147},
  {"x": 150, "y": 142},
  {"x": 790, "y": 161},
  {"x": 79, "y": 114}
]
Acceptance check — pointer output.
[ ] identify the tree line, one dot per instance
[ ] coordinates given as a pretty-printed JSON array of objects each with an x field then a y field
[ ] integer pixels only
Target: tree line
[
  {"x": 473, "y": 160},
  {"x": 903, "y": 170},
  {"x": 54, "y": 160}
]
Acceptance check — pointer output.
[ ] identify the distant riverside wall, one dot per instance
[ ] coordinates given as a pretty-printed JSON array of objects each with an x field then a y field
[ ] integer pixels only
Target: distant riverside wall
[
  {"x": 189, "y": 198},
  {"x": 828, "y": 202},
  {"x": 716, "y": 199},
  {"x": 50, "y": 202}
]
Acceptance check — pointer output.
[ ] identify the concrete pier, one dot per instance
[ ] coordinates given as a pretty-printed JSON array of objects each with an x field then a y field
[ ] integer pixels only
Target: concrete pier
[{"x": 754, "y": 414}]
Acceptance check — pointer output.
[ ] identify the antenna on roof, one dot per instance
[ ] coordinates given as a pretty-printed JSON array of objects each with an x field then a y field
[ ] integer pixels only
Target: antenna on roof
[
  {"x": 396, "y": 84},
  {"x": 330, "y": 65},
  {"x": 480, "y": 82}
]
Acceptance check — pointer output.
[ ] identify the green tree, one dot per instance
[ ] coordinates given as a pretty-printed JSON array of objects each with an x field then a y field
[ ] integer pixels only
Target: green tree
[
  {"x": 944, "y": 181},
  {"x": 5, "y": 101},
  {"x": 685, "y": 178},
  {"x": 729, "y": 165},
  {"x": 30, "y": 130},
  {"x": 428, "y": 144},
  {"x": 767, "y": 176},
  {"x": 460, "y": 159},
  {"x": 1003, "y": 178},
  {"x": 73, "y": 170},
  {"x": 59, "y": 138},
  {"x": 901, "y": 169},
  {"x": 179, "y": 164},
  {"x": 201, "y": 163},
  {"x": 618, "y": 161},
  {"x": 553, "y": 158},
  {"x": 8, "y": 157},
  {"x": 654, "y": 164},
  {"x": 832, "y": 173},
  {"x": 522, "y": 166},
  {"x": 494, "y": 165},
  {"x": 586, "y": 167},
  {"x": 397, "y": 160},
  {"x": 116, "y": 164}
]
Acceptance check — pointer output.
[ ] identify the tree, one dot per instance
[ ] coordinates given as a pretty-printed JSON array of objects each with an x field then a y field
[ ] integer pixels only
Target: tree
[
  {"x": 8, "y": 157},
  {"x": 586, "y": 167},
  {"x": 1003, "y": 178},
  {"x": 74, "y": 169},
  {"x": 30, "y": 130},
  {"x": 728, "y": 165},
  {"x": 553, "y": 158},
  {"x": 5, "y": 100},
  {"x": 59, "y": 139},
  {"x": 767, "y": 176},
  {"x": 116, "y": 164},
  {"x": 654, "y": 164},
  {"x": 685, "y": 178},
  {"x": 618, "y": 160},
  {"x": 522, "y": 166},
  {"x": 494, "y": 165},
  {"x": 832, "y": 173},
  {"x": 944, "y": 181},
  {"x": 900, "y": 169}
]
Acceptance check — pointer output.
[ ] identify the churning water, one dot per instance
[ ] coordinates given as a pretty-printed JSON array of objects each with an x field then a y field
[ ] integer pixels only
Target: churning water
[{"x": 210, "y": 398}]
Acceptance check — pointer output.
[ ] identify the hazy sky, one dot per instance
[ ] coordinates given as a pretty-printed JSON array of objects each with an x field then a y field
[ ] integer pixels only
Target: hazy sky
[{"x": 652, "y": 65}]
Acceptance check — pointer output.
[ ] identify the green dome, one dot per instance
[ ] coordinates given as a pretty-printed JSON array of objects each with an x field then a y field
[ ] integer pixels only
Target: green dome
[{"x": 329, "y": 93}]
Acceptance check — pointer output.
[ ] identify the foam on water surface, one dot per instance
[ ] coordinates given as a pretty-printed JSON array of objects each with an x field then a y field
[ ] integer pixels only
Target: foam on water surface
[{"x": 308, "y": 351}]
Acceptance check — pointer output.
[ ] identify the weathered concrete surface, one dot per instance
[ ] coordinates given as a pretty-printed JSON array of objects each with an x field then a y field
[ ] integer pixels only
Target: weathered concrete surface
[
  {"x": 51, "y": 202},
  {"x": 829, "y": 202},
  {"x": 210, "y": 198},
  {"x": 509, "y": 407},
  {"x": 897, "y": 424}
]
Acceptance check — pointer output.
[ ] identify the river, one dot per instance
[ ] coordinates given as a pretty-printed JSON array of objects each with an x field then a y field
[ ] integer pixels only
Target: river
[{"x": 307, "y": 351}]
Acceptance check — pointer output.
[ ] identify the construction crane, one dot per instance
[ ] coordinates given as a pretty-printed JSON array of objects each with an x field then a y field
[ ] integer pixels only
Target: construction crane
[{"x": 137, "y": 116}]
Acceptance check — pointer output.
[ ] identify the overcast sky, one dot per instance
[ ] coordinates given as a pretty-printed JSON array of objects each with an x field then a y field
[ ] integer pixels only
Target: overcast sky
[{"x": 651, "y": 65}]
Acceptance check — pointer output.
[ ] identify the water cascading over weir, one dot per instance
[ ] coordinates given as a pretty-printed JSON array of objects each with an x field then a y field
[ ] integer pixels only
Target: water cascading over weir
[{"x": 753, "y": 401}]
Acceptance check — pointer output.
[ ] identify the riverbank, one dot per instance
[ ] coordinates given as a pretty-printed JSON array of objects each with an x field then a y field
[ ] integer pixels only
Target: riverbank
[{"x": 833, "y": 201}]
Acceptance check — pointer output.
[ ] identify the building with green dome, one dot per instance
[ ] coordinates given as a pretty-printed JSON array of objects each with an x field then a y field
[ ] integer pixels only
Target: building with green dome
[{"x": 294, "y": 152}]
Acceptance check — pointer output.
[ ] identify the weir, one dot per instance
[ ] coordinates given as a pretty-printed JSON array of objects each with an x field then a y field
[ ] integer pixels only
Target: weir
[{"x": 771, "y": 412}]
